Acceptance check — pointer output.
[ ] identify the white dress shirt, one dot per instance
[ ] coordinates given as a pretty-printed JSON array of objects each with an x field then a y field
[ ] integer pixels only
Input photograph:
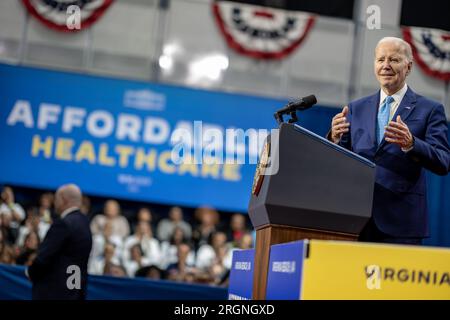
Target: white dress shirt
[
  {"x": 67, "y": 211},
  {"x": 398, "y": 97}
]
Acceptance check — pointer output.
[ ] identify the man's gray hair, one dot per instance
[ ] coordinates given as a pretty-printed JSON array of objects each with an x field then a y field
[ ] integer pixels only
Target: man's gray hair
[
  {"x": 405, "y": 45},
  {"x": 71, "y": 193}
]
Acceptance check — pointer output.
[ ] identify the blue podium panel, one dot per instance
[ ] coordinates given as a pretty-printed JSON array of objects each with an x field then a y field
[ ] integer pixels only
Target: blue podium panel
[
  {"x": 284, "y": 280},
  {"x": 241, "y": 275}
]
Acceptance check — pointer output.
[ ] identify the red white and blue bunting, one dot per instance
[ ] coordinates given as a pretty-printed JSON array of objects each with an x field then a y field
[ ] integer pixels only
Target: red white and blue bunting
[
  {"x": 431, "y": 50},
  {"x": 262, "y": 32},
  {"x": 53, "y": 13}
]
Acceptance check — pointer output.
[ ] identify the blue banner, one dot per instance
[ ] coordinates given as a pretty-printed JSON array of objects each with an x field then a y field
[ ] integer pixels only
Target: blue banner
[
  {"x": 284, "y": 278},
  {"x": 240, "y": 286},
  {"x": 15, "y": 286},
  {"x": 114, "y": 137}
]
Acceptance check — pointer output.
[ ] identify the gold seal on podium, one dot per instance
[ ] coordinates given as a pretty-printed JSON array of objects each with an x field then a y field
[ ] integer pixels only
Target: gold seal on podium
[{"x": 263, "y": 163}]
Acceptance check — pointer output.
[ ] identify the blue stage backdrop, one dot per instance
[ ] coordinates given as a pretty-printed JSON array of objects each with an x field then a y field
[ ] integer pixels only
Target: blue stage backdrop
[
  {"x": 113, "y": 138},
  {"x": 15, "y": 286}
]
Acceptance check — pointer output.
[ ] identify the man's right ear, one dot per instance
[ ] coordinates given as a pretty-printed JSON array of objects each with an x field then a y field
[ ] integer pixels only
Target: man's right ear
[{"x": 410, "y": 64}]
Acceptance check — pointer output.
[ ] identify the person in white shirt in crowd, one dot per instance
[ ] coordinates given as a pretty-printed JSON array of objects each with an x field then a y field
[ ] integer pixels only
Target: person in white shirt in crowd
[
  {"x": 144, "y": 214},
  {"x": 182, "y": 269},
  {"x": 150, "y": 246},
  {"x": 220, "y": 265},
  {"x": 208, "y": 221},
  {"x": 111, "y": 212},
  {"x": 97, "y": 265},
  {"x": 45, "y": 207},
  {"x": 28, "y": 249},
  {"x": 166, "y": 227},
  {"x": 99, "y": 241},
  {"x": 137, "y": 260},
  {"x": 33, "y": 223},
  {"x": 9, "y": 207},
  {"x": 169, "y": 249},
  {"x": 218, "y": 248}
]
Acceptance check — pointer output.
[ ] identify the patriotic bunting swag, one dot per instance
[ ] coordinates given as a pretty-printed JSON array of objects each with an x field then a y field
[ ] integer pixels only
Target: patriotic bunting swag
[
  {"x": 431, "y": 50},
  {"x": 54, "y": 13},
  {"x": 261, "y": 32}
]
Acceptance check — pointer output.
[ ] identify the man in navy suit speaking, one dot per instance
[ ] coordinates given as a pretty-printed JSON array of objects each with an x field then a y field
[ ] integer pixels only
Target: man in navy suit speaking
[
  {"x": 60, "y": 268},
  {"x": 404, "y": 133}
]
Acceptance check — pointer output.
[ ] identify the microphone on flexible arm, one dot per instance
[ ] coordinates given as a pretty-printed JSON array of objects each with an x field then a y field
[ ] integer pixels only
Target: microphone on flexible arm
[{"x": 291, "y": 108}]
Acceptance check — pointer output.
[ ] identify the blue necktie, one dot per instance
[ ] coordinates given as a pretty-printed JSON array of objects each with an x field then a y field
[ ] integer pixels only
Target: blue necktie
[{"x": 383, "y": 117}]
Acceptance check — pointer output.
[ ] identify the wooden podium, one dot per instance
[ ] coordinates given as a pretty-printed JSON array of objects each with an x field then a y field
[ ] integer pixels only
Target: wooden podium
[{"x": 306, "y": 187}]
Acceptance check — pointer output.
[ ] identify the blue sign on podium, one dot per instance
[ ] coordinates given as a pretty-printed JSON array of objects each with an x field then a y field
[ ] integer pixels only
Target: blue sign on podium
[
  {"x": 241, "y": 275},
  {"x": 284, "y": 279}
]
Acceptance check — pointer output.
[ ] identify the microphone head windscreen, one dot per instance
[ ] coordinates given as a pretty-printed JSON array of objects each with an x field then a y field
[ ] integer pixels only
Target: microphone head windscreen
[{"x": 310, "y": 100}]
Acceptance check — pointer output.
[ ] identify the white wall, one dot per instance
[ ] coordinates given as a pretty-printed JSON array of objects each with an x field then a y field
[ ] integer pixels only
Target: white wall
[{"x": 12, "y": 23}]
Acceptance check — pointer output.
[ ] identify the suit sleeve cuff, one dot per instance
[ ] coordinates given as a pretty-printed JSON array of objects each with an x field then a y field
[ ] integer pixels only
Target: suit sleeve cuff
[{"x": 406, "y": 150}]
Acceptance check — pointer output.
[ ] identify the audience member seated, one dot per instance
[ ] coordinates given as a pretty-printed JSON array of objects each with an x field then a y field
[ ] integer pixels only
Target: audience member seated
[
  {"x": 10, "y": 233},
  {"x": 111, "y": 212},
  {"x": 150, "y": 246},
  {"x": 97, "y": 265},
  {"x": 208, "y": 220},
  {"x": 46, "y": 208},
  {"x": 208, "y": 253},
  {"x": 246, "y": 241},
  {"x": 14, "y": 211},
  {"x": 29, "y": 248},
  {"x": 144, "y": 214},
  {"x": 99, "y": 241},
  {"x": 166, "y": 227},
  {"x": 169, "y": 248},
  {"x": 237, "y": 228},
  {"x": 33, "y": 223},
  {"x": 182, "y": 268},
  {"x": 136, "y": 261},
  {"x": 221, "y": 264}
]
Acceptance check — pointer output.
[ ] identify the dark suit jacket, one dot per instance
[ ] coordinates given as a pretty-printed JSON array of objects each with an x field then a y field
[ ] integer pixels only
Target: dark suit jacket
[
  {"x": 68, "y": 242},
  {"x": 400, "y": 202}
]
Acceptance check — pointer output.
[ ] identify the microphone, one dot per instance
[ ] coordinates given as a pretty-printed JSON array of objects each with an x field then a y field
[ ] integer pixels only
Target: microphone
[{"x": 300, "y": 104}]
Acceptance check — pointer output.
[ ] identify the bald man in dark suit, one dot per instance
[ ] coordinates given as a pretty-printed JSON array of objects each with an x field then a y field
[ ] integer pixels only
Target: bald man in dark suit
[{"x": 59, "y": 271}]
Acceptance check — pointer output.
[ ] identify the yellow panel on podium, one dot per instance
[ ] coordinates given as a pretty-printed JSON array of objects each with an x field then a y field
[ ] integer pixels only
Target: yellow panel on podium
[{"x": 349, "y": 270}]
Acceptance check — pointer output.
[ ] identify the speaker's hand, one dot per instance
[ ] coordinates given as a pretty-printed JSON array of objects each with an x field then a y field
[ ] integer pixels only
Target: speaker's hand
[
  {"x": 398, "y": 132},
  {"x": 339, "y": 125}
]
